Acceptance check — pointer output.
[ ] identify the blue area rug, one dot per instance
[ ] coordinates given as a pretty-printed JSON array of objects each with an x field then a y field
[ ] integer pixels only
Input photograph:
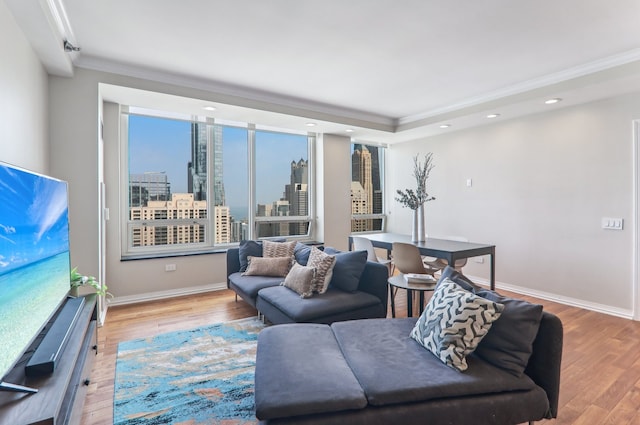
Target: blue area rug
[{"x": 200, "y": 376}]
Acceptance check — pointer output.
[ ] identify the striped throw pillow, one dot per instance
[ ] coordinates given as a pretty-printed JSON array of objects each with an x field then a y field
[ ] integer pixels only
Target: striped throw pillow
[{"x": 323, "y": 263}]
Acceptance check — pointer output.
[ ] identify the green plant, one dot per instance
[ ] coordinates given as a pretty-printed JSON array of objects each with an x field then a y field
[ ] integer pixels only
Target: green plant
[
  {"x": 413, "y": 199},
  {"x": 78, "y": 280}
]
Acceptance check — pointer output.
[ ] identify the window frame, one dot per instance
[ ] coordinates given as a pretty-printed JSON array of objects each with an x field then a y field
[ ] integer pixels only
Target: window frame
[{"x": 128, "y": 251}]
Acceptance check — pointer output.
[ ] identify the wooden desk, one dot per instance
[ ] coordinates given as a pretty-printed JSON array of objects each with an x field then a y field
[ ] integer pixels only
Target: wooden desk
[{"x": 439, "y": 248}]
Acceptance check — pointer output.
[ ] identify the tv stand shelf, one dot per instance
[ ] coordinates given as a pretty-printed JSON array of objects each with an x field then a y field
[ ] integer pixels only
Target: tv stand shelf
[{"x": 60, "y": 395}]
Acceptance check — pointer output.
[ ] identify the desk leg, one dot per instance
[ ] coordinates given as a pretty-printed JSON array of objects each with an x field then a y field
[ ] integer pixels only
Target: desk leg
[
  {"x": 492, "y": 259},
  {"x": 393, "y": 304},
  {"x": 409, "y": 303},
  {"x": 421, "y": 309}
]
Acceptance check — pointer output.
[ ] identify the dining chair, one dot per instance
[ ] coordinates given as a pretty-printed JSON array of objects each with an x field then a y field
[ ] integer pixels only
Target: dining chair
[
  {"x": 441, "y": 263},
  {"x": 364, "y": 244},
  {"x": 407, "y": 259}
]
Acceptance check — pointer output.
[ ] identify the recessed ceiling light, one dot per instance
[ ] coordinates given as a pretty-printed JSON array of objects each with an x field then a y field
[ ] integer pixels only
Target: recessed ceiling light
[
  {"x": 552, "y": 101},
  {"x": 311, "y": 124},
  {"x": 209, "y": 108},
  {"x": 445, "y": 125},
  {"x": 493, "y": 115},
  {"x": 349, "y": 130}
]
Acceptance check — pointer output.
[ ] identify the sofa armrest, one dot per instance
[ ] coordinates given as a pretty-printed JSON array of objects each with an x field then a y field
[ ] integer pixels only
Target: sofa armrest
[
  {"x": 233, "y": 262},
  {"x": 545, "y": 360},
  {"x": 374, "y": 281}
]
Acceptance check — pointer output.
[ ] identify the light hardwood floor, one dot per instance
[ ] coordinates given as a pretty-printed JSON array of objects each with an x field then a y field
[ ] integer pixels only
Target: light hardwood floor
[{"x": 600, "y": 381}]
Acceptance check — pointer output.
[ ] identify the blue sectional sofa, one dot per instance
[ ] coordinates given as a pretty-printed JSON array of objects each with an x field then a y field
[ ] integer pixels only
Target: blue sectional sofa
[
  {"x": 280, "y": 305},
  {"x": 372, "y": 372}
]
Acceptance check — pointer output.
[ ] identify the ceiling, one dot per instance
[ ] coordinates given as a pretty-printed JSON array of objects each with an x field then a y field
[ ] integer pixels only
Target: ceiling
[{"x": 388, "y": 70}]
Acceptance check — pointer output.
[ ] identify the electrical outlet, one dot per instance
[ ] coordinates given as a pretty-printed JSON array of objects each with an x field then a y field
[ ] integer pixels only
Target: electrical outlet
[
  {"x": 479, "y": 260},
  {"x": 169, "y": 267}
]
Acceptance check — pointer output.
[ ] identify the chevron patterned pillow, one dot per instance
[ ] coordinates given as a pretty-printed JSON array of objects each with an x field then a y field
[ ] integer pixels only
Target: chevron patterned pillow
[
  {"x": 454, "y": 322},
  {"x": 272, "y": 249}
]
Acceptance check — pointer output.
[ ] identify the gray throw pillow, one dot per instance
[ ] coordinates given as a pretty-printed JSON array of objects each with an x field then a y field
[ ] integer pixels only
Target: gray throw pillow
[
  {"x": 246, "y": 249},
  {"x": 300, "y": 279},
  {"x": 510, "y": 342},
  {"x": 348, "y": 269},
  {"x": 302, "y": 252},
  {"x": 454, "y": 322}
]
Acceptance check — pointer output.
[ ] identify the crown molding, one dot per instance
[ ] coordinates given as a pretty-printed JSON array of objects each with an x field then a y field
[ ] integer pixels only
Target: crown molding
[
  {"x": 45, "y": 25},
  {"x": 604, "y": 64},
  {"x": 244, "y": 96}
]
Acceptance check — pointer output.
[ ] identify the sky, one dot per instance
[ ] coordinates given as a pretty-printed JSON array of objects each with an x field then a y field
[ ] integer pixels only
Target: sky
[
  {"x": 33, "y": 219},
  {"x": 163, "y": 145}
]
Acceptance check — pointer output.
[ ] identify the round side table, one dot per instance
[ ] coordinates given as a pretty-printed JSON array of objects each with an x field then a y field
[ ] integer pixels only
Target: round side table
[{"x": 399, "y": 281}]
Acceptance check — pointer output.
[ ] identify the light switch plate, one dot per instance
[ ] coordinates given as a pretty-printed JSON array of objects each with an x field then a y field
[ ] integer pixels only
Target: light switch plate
[{"x": 612, "y": 223}]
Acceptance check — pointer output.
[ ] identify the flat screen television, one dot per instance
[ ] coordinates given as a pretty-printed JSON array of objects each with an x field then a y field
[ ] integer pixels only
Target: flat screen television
[{"x": 34, "y": 259}]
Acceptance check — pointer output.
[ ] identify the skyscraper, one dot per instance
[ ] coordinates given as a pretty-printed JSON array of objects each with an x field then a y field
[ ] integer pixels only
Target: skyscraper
[
  {"x": 150, "y": 186},
  {"x": 197, "y": 167},
  {"x": 197, "y": 176},
  {"x": 361, "y": 173},
  {"x": 297, "y": 194}
]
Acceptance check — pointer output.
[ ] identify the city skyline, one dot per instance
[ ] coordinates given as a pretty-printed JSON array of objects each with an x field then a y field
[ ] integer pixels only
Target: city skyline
[
  {"x": 164, "y": 145},
  {"x": 196, "y": 155}
]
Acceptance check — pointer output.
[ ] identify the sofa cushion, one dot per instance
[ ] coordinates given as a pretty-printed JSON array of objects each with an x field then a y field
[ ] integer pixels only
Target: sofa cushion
[
  {"x": 454, "y": 322},
  {"x": 246, "y": 249},
  {"x": 300, "y": 370},
  {"x": 324, "y": 264},
  {"x": 510, "y": 342},
  {"x": 262, "y": 266},
  {"x": 348, "y": 268},
  {"x": 248, "y": 286},
  {"x": 393, "y": 368},
  {"x": 300, "y": 280},
  {"x": 273, "y": 249},
  {"x": 332, "y": 302}
]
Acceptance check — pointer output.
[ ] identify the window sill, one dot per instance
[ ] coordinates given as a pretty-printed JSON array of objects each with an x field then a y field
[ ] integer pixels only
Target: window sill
[{"x": 135, "y": 257}]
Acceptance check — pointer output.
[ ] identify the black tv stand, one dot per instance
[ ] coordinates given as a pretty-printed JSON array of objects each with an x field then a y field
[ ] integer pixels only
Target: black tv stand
[{"x": 60, "y": 394}]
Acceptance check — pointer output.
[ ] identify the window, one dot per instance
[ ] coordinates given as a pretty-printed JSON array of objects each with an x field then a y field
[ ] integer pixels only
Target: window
[
  {"x": 282, "y": 184},
  {"x": 367, "y": 177},
  {"x": 190, "y": 182}
]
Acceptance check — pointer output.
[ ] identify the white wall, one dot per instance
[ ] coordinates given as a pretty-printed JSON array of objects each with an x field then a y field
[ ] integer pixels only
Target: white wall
[
  {"x": 541, "y": 185},
  {"x": 23, "y": 100}
]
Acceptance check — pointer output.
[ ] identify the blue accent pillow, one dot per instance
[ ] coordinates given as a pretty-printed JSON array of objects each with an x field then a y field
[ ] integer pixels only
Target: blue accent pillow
[
  {"x": 348, "y": 268},
  {"x": 510, "y": 342},
  {"x": 302, "y": 252},
  {"x": 247, "y": 249}
]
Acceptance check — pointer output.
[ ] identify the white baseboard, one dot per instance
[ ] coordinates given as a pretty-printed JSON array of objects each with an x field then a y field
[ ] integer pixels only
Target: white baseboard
[
  {"x": 574, "y": 302},
  {"x": 159, "y": 295}
]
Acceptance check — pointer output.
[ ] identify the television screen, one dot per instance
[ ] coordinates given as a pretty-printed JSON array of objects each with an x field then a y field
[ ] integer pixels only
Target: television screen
[{"x": 34, "y": 257}]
